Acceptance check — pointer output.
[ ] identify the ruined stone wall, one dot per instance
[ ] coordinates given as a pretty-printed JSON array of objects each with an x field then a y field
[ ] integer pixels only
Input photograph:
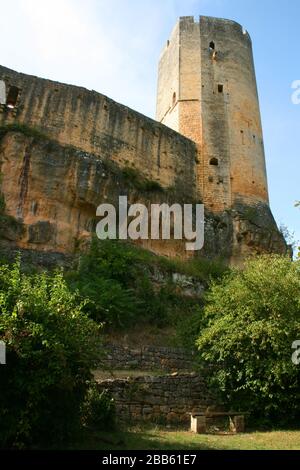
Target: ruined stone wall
[
  {"x": 158, "y": 399},
  {"x": 168, "y": 87},
  {"x": 146, "y": 358},
  {"x": 96, "y": 124},
  {"x": 151, "y": 392}
]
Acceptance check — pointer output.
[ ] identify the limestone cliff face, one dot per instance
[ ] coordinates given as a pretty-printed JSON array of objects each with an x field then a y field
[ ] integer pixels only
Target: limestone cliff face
[
  {"x": 51, "y": 193},
  {"x": 242, "y": 232}
]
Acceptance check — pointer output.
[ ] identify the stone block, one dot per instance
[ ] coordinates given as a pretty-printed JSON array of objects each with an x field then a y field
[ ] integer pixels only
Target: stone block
[
  {"x": 237, "y": 424},
  {"x": 198, "y": 424}
]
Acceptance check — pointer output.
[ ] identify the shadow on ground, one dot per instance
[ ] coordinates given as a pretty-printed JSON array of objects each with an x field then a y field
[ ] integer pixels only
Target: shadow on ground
[{"x": 134, "y": 440}]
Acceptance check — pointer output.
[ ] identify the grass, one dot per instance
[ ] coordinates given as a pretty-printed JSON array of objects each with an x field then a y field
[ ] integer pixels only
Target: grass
[
  {"x": 200, "y": 269},
  {"x": 157, "y": 439}
]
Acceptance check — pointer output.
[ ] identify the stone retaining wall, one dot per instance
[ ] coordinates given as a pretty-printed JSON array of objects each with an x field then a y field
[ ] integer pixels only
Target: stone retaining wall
[
  {"x": 158, "y": 399},
  {"x": 147, "y": 358}
]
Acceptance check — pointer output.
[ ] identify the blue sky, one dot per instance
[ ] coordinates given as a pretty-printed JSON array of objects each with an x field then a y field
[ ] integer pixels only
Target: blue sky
[{"x": 112, "y": 46}]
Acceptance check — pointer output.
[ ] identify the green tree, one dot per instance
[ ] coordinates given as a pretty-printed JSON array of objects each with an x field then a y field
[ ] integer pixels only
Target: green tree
[
  {"x": 51, "y": 347},
  {"x": 252, "y": 318}
]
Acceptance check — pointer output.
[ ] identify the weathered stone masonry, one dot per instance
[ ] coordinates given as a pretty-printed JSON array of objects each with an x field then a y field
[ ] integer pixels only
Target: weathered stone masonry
[
  {"x": 160, "y": 399},
  {"x": 53, "y": 192},
  {"x": 165, "y": 389},
  {"x": 207, "y": 92},
  {"x": 98, "y": 125},
  {"x": 147, "y": 358}
]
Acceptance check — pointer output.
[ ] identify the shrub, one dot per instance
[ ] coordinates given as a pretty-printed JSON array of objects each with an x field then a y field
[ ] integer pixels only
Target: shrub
[
  {"x": 51, "y": 346},
  {"x": 119, "y": 281},
  {"x": 98, "y": 409},
  {"x": 252, "y": 319},
  {"x": 115, "y": 281},
  {"x": 104, "y": 278},
  {"x": 190, "y": 325}
]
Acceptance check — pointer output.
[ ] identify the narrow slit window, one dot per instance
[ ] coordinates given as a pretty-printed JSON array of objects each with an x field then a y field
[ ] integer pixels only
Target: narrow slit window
[
  {"x": 243, "y": 137},
  {"x": 220, "y": 88},
  {"x": 174, "y": 98},
  {"x": 12, "y": 97}
]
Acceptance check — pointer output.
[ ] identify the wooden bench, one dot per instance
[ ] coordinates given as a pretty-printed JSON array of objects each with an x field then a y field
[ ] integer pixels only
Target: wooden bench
[{"x": 236, "y": 420}]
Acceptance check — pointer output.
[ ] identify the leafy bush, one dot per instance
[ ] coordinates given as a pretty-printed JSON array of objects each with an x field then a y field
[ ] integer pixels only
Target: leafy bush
[
  {"x": 118, "y": 281},
  {"x": 51, "y": 346},
  {"x": 103, "y": 278},
  {"x": 190, "y": 325},
  {"x": 98, "y": 409},
  {"x": 115, "y": 281},
  {"x": 252, "y": 318}
]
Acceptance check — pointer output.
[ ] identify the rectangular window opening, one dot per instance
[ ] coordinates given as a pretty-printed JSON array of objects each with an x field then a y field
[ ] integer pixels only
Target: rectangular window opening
[{"x": 12, "y": 97}]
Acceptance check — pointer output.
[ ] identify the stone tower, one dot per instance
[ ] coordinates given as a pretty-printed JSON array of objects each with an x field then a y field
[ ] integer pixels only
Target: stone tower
[{"x": 207, "y": 91}]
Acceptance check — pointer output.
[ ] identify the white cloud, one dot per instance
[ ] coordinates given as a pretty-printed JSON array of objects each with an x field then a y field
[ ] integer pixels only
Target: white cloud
[{"x": 111, "y": 46}]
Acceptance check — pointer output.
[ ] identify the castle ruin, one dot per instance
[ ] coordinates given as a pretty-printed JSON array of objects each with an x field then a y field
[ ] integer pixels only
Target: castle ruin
[{"x": 206, "y": 145}]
